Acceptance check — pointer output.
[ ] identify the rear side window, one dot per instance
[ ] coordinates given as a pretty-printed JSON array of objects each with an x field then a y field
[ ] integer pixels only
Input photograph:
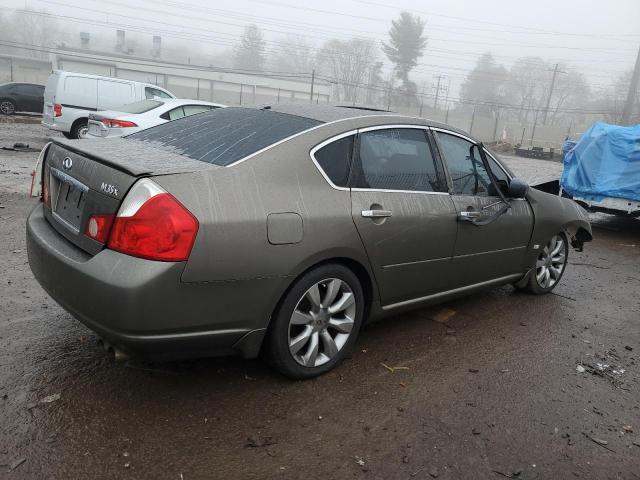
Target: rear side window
[
  {"x": 397, "y": 159},
  {"x": 141, "y": 107},
  {"x": 193, "y": 109},
  {"x": 335, "y": 158},
  {"x": 223, "y": 136},
  {"x": 154, "y": 92}
]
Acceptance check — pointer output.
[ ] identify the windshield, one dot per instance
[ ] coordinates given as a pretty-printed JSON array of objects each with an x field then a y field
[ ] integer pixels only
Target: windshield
[
  {"x": 141, "y": 107},
  {"x": 224, "y": 135}
]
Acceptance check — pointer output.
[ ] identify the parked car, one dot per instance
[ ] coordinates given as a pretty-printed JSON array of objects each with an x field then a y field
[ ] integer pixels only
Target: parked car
[
  {"x": 70, "y": 97},
  {"x": 21, "y": 97},
  {"x": 282, "y": 230},
  {"x": 144, "y": 114}
]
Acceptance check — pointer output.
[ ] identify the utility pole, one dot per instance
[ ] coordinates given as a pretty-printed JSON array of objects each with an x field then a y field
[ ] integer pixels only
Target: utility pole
[
  {"x": 435, "y": 100},
  {"x": 553, "y": 83},
  {"x": 633, "y": 89},
  {"x": 390, "y": 89},
  {"x": 313, "y": 81},
  {"x": 424, "y": 84}
]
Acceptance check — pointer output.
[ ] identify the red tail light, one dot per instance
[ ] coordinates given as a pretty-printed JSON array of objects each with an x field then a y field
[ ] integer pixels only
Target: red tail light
[
  {"x": 115, "y": 123},
  {"x": 152, "y": 224},
  {"x": 57, "y": 110}
]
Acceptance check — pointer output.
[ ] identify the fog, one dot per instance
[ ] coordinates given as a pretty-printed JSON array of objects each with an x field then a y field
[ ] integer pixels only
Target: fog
[{"x": 557, "y": 62}]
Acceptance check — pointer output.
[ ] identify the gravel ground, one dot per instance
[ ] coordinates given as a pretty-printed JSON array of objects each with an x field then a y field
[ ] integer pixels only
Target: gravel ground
[{"x": 488, "y": 385}]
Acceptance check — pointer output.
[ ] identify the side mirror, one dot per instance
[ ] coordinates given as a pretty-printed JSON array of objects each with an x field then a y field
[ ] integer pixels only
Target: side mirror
[{"x": 518, "y": 188}]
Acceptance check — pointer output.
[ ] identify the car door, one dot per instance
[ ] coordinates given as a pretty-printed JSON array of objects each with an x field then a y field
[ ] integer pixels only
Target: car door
[
  {"x": 403, "y": 212},
  {"x": 28, "y": 97},
  {"x": 491, "y": 251}
]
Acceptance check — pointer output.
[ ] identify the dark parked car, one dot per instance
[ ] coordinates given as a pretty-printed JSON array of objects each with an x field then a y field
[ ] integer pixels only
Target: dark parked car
[
  {"x": 21, "y": 97},
  {"x": 282, "y": 230}
]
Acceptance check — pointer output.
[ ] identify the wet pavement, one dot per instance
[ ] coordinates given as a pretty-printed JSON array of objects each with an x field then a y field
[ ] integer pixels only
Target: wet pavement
[{"x": 484, "y": 387}]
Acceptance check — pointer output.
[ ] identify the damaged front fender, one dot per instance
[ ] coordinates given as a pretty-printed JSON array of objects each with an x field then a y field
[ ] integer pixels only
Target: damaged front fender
[{"x": 554, "y": 214}]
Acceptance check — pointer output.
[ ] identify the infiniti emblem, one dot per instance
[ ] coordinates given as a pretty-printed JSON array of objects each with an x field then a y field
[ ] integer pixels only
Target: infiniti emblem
[{"x": 67, "y": 163}]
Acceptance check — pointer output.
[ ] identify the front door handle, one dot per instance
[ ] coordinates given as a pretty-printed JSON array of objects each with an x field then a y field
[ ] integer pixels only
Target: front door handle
[
  {"x": 376, "y": 213},
  {"x": 470, "y": 214}
]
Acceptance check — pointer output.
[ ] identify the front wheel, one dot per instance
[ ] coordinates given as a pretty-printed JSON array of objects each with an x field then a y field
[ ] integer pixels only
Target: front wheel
[
  {"x": 550, "y": 265},
  {"x": 7, "y": 107},
  {"x": 316, "y": 323}
]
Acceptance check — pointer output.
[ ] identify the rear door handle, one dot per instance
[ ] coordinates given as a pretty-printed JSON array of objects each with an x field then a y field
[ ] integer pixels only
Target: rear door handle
[
  {"x": 376, "y": 213},
  {"x": 470, "y": 214}
]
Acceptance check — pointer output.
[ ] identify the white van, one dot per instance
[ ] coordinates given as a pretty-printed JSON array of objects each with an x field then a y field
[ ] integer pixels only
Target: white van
[{"x": 70, "y": 97}]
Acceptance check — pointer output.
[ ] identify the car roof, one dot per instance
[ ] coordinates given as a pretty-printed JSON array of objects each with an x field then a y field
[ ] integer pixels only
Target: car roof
[
  {"x": 333, "y": 113},
  {"x": 186, "y": 101}
]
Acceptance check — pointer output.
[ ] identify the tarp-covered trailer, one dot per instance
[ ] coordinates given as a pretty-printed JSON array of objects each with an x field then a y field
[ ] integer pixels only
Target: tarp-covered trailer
[{"x": 602, "y": 171}]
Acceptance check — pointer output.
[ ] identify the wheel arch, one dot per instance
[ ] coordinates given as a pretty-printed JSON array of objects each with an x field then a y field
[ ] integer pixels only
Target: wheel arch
[
  {"x": 78, "y": 120},
  {"x": 251, "y": 344}
]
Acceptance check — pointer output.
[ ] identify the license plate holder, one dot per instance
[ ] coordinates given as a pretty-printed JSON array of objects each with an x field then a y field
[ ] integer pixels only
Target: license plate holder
[{"x": 69, "y": 196}]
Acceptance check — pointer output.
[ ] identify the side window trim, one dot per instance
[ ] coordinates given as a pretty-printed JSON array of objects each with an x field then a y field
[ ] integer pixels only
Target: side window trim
[
  {"x": 468, "y": 139},
  {"x": 326, "y": 142}
]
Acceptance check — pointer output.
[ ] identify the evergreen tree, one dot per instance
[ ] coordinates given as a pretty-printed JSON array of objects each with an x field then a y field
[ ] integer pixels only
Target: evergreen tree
[{"x": 406, "y": 45}]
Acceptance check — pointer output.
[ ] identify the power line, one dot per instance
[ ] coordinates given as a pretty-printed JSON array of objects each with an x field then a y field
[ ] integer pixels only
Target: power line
[
  {"x": 216, "y": 40},
  {"x": 31, "y": 47}
]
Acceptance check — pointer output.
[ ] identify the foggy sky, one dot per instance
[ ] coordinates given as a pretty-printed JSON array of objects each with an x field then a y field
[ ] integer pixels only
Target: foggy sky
[{"x": 604, "y": 39}]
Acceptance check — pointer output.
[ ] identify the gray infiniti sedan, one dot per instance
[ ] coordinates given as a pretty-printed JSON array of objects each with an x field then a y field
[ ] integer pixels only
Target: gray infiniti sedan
[{"x": 282, "y": 230}]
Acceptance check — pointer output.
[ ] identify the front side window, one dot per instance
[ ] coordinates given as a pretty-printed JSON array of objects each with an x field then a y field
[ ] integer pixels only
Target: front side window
[
  {"x": 397, "y": 159},
  {"x": 335, "y": 159},
  {"x": 468, "y": 175}
]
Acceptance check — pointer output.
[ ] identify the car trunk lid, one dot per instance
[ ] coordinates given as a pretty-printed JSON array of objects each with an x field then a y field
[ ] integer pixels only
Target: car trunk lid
[{"x": 91, "y": 177}]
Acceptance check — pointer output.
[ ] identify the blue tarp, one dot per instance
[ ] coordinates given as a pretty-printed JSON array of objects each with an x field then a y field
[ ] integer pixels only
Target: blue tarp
[{"x": 604, "y": 163}]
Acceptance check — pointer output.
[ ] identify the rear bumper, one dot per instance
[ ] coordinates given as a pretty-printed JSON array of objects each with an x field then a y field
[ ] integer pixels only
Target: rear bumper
[
  {"x": 49, "y": 122},
  {"x": 142, "y": 306}
]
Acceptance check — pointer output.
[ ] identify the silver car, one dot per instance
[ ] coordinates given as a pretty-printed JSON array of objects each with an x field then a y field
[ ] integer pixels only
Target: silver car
[{"x": 282, "y": 230}]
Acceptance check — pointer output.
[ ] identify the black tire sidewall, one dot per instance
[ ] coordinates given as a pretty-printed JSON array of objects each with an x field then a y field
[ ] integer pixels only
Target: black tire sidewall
[
  {"x": 12, "y": 103},
  {"x": 75, "y": 130},
  {"x": 277, "y": 347},
  {"x": 533, "y": 285}
]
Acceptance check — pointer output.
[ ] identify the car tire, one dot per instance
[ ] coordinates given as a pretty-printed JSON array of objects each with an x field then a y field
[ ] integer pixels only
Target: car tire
[
  {"x": 550, "y": 266},
  {"x": 323, "y": 310},
  {"x": 7, "y": 106},
  {"x": 80, "y": 129}
]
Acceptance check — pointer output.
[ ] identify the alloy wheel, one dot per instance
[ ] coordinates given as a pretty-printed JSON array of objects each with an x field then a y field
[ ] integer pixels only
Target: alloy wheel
[
  {"x": 83, "y": 132},
  {"x": 7, "y": 107},
  {"x": 322, "y": 322},
  {"x": 551, "y": 262}
]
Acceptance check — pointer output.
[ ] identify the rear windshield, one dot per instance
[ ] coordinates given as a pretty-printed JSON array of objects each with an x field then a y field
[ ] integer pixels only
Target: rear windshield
[
  {"x": 141, "y": 106},
  {"x": 225, "y": 135}
]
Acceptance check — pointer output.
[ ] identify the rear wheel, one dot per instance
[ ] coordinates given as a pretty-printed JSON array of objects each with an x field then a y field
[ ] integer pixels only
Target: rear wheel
[
  {"x": 7, "y": 107},
  {"x": 316, "y": 323},
  {"x": 550, "y": 265},
  {"x": 80, "y": 129}
]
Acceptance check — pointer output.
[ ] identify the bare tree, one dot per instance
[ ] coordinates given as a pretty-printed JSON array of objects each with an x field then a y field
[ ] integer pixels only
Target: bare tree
[
  {"x": 295, "y": 55},
  {"x": 347, "y": 62},
  {"x": 486, "y": 84}
]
